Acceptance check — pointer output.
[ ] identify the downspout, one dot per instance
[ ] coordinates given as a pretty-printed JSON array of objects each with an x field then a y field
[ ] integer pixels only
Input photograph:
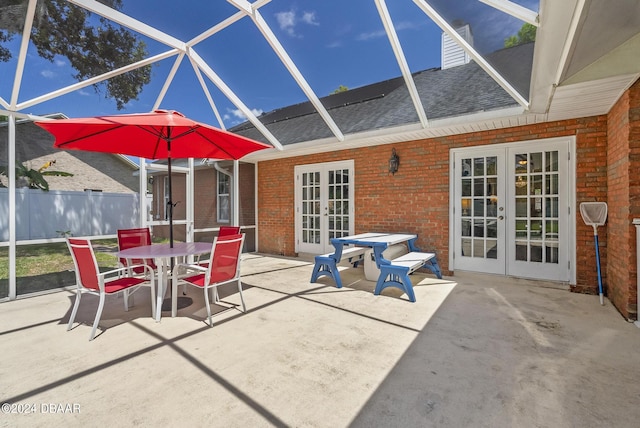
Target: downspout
[
  {"x": 142, "y": 192},
  {"x": 191, "y": 220}
]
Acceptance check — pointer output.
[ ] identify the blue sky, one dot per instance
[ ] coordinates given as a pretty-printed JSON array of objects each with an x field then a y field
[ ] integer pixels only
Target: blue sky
[{"x": 332, "y": 42}]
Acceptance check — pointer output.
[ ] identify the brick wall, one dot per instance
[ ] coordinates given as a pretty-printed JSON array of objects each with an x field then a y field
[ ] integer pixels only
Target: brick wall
[
  {"x": 423, "y": 180},
  {"x": 623, "y": 195},
  {"x": 634, "y": 191}
]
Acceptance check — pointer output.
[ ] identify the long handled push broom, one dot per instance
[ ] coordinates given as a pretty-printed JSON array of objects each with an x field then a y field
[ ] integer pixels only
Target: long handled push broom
[{"x": 595, "y": 214}]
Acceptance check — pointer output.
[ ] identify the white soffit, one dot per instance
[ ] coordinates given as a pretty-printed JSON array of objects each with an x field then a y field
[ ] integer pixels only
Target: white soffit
[{"x": 588, "y": 98}]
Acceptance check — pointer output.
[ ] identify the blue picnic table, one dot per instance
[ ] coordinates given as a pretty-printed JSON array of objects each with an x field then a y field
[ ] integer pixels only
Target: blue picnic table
[{"x": 352, "y": 248}]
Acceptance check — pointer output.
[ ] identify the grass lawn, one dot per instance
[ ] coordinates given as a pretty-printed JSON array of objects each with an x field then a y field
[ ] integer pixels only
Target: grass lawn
[
  {"x": 41, "y": 267},
  {"x": 47, "y": 266}
]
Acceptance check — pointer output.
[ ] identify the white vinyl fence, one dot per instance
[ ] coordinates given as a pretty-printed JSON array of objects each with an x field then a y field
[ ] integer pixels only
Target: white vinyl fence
[{"x": 46, "y": 215}]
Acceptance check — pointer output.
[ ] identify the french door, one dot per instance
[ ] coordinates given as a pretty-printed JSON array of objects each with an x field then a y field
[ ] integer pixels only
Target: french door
[
  {"x": 324, "y": 206},
  {"x": 512, "y": 210}
]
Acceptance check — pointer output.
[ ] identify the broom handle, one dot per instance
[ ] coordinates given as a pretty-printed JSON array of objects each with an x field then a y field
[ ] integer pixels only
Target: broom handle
[{"x": 595, "y": 235}]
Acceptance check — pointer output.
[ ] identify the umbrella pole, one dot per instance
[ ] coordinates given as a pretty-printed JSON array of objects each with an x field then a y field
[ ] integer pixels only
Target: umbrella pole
[{"x": 170, "y": 203}]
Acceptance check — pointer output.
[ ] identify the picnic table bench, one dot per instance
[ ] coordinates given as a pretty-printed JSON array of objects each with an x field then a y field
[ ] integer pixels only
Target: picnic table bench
[
  {"x": 327, "y": 264},
  {"x": 395, "y": 272}
]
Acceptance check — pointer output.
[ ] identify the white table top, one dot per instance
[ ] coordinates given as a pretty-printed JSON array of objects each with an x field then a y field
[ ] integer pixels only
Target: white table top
[
  {"x": 164, "y": 250},
  {"x": 372, "y": 238}
]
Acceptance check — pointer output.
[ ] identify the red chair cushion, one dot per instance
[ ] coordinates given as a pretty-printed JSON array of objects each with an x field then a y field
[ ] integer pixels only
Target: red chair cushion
[{"x": 122, "y": 284}]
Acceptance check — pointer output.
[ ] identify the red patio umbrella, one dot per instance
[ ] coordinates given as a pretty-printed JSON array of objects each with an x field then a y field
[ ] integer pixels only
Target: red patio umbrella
[{"x": 162, "y": 134}]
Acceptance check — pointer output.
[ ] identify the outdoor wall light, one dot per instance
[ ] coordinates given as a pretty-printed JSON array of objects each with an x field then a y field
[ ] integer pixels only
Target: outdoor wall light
[{"x": 394, "y": 162}]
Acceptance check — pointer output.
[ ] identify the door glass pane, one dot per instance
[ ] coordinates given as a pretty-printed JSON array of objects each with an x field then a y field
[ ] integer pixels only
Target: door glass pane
[
  {"x": 521, "y": 251},
  {"x": 478, "y": 248},
  {"x": 466, "y": 206},
  {"x": 466, "y": 187},
  {"x": 492, "y": 249},
  {"x": 478, "y": 167},
  {"x": 535, "y": 162},
  {"x": 479, "y": 207},
  {"x": 535, "y": 187},
  {"x": 551, "y": 161},
  {"x": 536, "y": 206},
  {"x": 466, "y": 167},
  {"x": 478, "y": 228},
  {"x": 492, "y": 165},
  {"x": 521, "y": 228},
  {"x": 521, "y": 185},
  {"x": 536, "y": 252},
  {"x": 466, "y": 247},
  {"x": 521, "y": 207},
  {"x": 338, "y": 203},
  {"x": 310, "y": 207},
  {"x": 478, "y": 187},
  {"x": 466, "y": 227},
  {"x": 521, "y": 163},
  {"x": 492, "y": 207}
]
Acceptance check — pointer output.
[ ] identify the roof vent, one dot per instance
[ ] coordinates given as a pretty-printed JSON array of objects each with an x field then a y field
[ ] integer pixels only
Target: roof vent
[{"x": 452, "y": 54}]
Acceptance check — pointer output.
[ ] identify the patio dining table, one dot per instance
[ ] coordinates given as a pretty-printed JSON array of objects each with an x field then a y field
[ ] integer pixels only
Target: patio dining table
[{"x": 164, "y": 254}]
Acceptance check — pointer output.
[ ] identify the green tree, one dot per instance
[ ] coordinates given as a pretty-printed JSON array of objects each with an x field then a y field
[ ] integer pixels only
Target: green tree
[
  {"x": 526, "y": 34},
  {"x": 93, "y": 47},
  {"x": 341, "y": 88}
]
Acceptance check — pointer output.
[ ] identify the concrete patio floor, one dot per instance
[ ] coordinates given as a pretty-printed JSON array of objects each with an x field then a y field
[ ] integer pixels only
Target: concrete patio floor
[{"x": 473, "y": 351}]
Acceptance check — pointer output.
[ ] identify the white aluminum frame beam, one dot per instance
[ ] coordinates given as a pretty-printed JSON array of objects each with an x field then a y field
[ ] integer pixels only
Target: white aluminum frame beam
[
  {"x": 279, "y": 50},
  {"x": 96, "y": 79},
  {"x": 22, "y": 56},
  {"x": 131, "y": 23},
  {"x": 168, "y": 80},
  {"x": 208, "y": 71},
  {"x": 11, "y": 160},
  {"x": 515, "y": 10},
  {"x": 383, "y": 11},
  {"x": 207, "y": 93},
  {"x": 569, "y": 41},
  {"x": 479, "y": 59}
]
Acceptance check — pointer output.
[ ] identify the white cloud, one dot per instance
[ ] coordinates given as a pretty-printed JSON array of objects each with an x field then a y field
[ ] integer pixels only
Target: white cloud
[
  {"x": 400, "y": 26},
  {"x": 47, "y": 74},
  {"x": 288, "y": 21},
  {"x": 60, "y": 63},
  {"x": 406, "y": 25},
  {"x": 310, "y": 18},
  {"x": 371, "y": 35},
  {"x": 237, "y": 116}
]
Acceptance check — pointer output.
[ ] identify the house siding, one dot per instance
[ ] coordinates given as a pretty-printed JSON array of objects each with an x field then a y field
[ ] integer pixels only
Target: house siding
[
  {"x": 91, "y": 170},
  {"x": 205, "y": 202}
]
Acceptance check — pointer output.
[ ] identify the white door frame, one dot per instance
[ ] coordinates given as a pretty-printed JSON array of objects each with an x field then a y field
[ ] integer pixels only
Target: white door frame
[
  {"x": 570, "y": 141},
  {"x": 325, "y": 245}
]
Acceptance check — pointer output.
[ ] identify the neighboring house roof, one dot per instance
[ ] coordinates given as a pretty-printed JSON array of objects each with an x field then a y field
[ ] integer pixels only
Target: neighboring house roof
[
  {"x": 97, "y": 171},
  {"x": 451, "y": 92}
]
